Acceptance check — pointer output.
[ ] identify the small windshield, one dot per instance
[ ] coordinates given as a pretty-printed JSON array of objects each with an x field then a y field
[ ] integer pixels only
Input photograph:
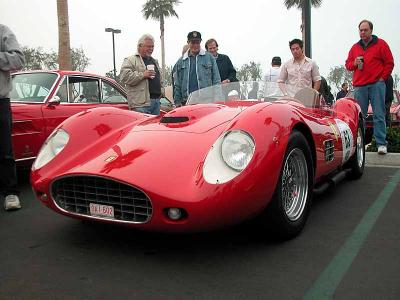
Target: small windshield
[
  {"x": 242, "y": 91},
  {"x": 31, "y": 87}
]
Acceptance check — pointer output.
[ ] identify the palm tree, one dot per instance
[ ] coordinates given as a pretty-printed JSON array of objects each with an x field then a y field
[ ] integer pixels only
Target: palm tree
[
  {"x": 300, "y": 4},
  {"x": 159, "y": 10},
  {"x": 64, "y": 51}
]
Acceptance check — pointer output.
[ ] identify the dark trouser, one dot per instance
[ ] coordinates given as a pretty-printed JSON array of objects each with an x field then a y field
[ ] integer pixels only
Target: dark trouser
[{"x": 8, "y": 173}]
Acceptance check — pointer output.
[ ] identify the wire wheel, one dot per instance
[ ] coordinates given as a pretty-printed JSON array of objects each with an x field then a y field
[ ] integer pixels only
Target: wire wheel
[
  {"x": 360, "y": 148},
  {"x": 294, "y": 184}
]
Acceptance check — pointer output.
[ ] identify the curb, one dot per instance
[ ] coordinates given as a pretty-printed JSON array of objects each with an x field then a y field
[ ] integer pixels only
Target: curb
[{"x": 388, "y": 160}]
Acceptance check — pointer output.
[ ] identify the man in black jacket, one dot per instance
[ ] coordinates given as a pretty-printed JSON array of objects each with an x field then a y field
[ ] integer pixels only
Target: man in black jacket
[{"x": 225, "y": 67}]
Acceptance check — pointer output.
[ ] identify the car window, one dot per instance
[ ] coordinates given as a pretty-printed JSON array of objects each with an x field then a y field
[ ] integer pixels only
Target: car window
[
  {"x": 31, "y": 87},
  {"x": 83, "y": 90},
  {"x": 111, "y": 94},
  {"x": 62, "y": 92}
]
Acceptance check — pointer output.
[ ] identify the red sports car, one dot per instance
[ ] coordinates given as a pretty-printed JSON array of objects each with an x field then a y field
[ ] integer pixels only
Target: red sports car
[
  {"x": 41, "y": 100},
  {"x": 230, "y": 158}
]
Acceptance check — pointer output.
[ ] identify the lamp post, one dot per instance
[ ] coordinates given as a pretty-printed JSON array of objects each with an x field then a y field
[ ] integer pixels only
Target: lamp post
[
  {"x": 112, "y": 30},
  {"x": 307, "y": 27}
]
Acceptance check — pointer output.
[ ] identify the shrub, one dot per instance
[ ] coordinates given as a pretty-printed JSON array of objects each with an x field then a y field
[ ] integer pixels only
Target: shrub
[{"x": 393, "y": 140}]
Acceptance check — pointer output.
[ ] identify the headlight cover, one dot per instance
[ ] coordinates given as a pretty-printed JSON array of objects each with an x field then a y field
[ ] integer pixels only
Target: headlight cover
[
  {"x": 228, "y": 156},
  {"x": 53, "y": 145},
  {"x": 237, "y": 149}
]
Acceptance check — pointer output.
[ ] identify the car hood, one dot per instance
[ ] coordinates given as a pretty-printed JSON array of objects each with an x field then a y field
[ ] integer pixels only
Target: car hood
[{"x": 162, "y": 149}]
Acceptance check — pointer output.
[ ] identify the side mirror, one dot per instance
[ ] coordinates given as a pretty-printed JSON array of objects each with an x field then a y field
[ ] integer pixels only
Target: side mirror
[{"x": 55, "y": 100}]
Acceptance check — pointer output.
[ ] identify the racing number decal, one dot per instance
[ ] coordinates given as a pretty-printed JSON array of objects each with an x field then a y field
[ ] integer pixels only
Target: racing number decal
[{"x": 347, "y": 139}]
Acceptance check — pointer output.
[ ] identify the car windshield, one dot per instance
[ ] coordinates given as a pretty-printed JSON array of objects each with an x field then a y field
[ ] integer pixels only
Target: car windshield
[
  {"x": 31, "y": 87},
  {"x": 243, "y": 91}
]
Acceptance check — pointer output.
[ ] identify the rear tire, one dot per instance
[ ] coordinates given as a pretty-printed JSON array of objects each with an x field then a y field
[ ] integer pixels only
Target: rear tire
[
  {"x": 357, "y": 161},
  {"x": 290, "y": 205}
]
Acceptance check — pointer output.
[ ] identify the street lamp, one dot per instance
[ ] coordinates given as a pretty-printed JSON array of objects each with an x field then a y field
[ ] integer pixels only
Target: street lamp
[{"x": 112, "y": 30}]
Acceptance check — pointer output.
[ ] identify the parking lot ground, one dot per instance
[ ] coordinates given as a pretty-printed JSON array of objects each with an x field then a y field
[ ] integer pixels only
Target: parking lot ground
[{"x": 353, "y": 230}]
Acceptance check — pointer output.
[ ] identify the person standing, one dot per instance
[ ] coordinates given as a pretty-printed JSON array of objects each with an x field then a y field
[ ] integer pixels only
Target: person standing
[
  {"x": 388, "y": 98},
  {"x": 196, "y": 69},
  {"x": 141, "y": 75},
  {"x": 274, "y": 71},
  {"x": 11, "y": 59},
  {"x": 300, "y": 71},
  {"x": 343, "y": 92},
  {"x": 226, "y": 69},
  {"x": 372, "y": 62}
]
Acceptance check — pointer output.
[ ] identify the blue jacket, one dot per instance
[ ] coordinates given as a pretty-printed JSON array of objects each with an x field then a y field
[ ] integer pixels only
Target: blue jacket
[{"x": 207, "y": 74}]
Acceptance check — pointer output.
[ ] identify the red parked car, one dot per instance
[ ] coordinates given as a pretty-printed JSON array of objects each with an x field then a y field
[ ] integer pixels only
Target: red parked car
[
  {"x": 41, "y": 100},
  {"x": 230, "y": 158}
]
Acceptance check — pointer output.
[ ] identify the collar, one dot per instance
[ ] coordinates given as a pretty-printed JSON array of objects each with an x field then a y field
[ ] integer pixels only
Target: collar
[
  {"x": 186, "y": 55},
  {"x": 371, "y": 42},
  {"x": 306, "y": 59}
]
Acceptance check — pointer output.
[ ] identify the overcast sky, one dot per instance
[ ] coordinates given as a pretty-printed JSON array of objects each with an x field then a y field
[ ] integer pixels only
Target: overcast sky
[{"x": 245, "y": 30}]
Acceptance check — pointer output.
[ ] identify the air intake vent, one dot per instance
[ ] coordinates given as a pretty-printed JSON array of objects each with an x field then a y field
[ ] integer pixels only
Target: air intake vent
[
  {"x": 75, "y": 194},
  {"x": 174, "y": 119}
]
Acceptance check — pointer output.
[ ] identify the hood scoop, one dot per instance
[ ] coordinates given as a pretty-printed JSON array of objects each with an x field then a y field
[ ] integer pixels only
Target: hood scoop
[{"x": 173, "y": 119}]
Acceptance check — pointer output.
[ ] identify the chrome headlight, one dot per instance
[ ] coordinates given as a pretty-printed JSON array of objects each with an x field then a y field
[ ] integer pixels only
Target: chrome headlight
[
  {"x": 53, "y": 145},
  {"x": 228, "y": 156},
  {"x": 237, "y": 149}
]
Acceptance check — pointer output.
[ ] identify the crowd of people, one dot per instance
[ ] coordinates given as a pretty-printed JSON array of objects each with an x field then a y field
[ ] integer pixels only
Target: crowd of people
[{"x": 370, "y": 59}]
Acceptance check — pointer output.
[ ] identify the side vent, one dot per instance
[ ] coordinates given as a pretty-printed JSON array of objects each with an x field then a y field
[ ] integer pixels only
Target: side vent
[
  {"x": 174, "y": 119},
  {"x": 329, "y": 150}
]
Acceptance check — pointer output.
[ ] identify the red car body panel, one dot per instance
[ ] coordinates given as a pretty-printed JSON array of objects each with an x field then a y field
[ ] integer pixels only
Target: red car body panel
[
  {"x": 165, "y": 160},
  {"x": 33, "y": 122}
]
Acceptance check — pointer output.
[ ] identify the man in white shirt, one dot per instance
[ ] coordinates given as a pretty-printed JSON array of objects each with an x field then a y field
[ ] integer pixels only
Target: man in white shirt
[
  {"x": 274, "y": 71},
  {"x": 300, "y": 71}
]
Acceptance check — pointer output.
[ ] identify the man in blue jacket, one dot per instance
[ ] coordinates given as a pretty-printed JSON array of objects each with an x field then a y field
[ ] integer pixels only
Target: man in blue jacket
[{"x": 195, "y": 70}]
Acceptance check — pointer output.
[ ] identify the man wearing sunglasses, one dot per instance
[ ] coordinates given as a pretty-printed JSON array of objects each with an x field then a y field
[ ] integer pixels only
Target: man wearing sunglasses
[{"x": 195, "y": 70}]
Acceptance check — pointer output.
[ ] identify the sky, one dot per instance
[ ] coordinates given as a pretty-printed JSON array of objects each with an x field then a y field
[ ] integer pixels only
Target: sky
[{"x": 252, "y": 30}]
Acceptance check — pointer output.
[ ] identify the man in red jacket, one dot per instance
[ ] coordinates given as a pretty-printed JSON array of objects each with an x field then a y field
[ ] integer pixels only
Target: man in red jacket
[{"x": 372, "y": 62}]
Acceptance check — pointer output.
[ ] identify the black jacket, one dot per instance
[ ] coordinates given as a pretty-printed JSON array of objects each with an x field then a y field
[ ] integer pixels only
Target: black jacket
[{"x": 225, "y": 67}]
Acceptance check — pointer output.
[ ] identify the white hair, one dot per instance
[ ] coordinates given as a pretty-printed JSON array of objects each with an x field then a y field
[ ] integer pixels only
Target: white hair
[{"x": 144, "y": 37}]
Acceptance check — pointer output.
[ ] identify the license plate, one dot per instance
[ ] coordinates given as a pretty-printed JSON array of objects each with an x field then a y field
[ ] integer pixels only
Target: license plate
[{"x": 100, "y": 210}]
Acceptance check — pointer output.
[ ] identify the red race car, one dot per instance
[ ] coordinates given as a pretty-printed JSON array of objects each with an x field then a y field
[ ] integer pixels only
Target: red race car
[
  {"x": 41, "y": 100},
  {"x": 217, "y": 161}
]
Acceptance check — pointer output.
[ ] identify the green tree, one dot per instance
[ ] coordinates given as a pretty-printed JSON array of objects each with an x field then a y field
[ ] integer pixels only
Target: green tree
[
  {"x": 159, "y": 10},
  {"x": 250, "y": 71},
  {"x": 38, "y": 59},
  {"x": 299, "y": 4},
  {"x": 396, "y": 80},
  {"x": 339, "y": 74},
  {"x": 79, "y": 60},
  {"x": 64, "y": 51}
]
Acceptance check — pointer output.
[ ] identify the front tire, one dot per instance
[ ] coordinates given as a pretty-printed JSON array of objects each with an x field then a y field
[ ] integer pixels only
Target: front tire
[
  {"x": 290, "y": 205},
  {"x": 357, "y": 161}
]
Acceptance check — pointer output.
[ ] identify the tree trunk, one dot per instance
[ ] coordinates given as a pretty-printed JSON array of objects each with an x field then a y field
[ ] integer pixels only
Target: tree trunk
[
  {"x": 64, "y": 49},
  {"x": 302, "y": 27},
  {"x": 162, "y": 44}
]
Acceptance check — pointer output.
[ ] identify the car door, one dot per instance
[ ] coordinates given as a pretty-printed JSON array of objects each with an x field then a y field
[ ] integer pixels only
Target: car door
[{"x": 74, "y": 94}]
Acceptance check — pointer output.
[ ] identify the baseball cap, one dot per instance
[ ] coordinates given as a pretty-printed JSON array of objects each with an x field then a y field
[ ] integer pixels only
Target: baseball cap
[{"x": 194, "y": 35}]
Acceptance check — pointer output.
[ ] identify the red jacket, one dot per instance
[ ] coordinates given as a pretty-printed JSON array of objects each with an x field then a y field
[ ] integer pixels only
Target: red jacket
[{"x": 378, "y": 61}]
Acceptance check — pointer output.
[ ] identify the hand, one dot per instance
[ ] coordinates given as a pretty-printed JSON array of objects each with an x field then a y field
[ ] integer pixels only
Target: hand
[
  {"x": 149, "y": 74},
  {"x": 357, "y": 61},
  {"x": 226, "y": 81}
]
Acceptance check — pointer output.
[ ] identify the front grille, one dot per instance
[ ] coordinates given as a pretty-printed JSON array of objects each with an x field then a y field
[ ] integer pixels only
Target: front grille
[{"x": 74, "y": 194}]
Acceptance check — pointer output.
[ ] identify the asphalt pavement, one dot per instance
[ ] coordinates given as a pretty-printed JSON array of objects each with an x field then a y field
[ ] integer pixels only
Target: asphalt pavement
[{"x": 348, "y": 250}]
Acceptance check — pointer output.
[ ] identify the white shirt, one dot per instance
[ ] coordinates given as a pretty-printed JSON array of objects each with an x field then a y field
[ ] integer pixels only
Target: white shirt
[
  {"x": 273, "y": 74},
  {"x": 301, "y": 74}
]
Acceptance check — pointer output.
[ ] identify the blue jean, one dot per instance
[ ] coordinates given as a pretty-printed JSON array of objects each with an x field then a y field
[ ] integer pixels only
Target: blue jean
[
  {"x": 153, "y": 109},
  {"x": 374, "y": 93}
]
